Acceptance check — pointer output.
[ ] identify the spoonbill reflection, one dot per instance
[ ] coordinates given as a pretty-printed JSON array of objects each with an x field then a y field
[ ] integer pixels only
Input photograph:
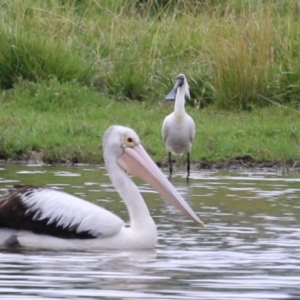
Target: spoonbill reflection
[
  {"x": 41, "y": 217},
  {"x": 178, "y": 129}
]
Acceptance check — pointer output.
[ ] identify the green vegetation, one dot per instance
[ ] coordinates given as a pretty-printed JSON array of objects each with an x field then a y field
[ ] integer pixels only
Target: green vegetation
[
  {"x": 71, "y": 68},
  {"x": 66, "y": 122}
]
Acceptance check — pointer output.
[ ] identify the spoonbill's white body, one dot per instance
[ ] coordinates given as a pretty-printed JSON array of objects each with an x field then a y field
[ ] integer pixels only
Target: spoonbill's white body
[
  {"x": 178, "y": 129},
  {"x": 41, "y": 217}
]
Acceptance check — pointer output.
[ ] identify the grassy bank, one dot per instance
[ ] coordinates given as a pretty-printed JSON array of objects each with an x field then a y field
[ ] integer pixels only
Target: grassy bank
[
  {"x": 72, "y": 129},
  {"x": 232, "y": 51},
  {"x": 69, "y": 69}
]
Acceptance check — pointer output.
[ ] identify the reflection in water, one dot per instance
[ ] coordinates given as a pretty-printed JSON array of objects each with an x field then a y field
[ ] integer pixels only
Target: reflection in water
[{"x": 248, "y": 250}]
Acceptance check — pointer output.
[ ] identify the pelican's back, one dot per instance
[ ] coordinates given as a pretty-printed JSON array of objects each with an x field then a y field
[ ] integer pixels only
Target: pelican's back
[{"x": 55, "y": 213}]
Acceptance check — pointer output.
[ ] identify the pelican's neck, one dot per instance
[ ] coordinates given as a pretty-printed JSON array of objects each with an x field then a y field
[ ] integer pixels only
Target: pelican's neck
[
  {"x": 179, "y": 108},
  {"x": 137, "y": 208}
]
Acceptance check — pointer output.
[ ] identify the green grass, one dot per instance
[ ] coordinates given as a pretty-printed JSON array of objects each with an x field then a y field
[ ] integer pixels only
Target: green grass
[
  {"x": 71, "y": 68},
  {"x": 232, "y": 51},
  {"x": 66, "y": 122}
]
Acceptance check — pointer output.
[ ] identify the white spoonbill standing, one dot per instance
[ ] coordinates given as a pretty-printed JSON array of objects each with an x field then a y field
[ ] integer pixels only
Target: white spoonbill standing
[
  {"x": 44, "y": 218},
  {"x": 178, "y": 129}
]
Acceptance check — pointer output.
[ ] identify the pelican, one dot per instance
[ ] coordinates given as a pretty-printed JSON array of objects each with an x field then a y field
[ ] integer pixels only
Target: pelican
[
  {"x": 178, "y": 129},
  {"x": 44, "y": 218}
]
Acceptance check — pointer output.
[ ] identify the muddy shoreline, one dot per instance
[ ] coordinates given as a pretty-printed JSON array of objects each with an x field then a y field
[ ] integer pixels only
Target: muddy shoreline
[
  {"x": 244, "y": 163},
  {"x": 239, "y": 163}
]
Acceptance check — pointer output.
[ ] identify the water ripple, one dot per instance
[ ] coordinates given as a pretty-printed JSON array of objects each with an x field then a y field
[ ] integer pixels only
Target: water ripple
[{"x": 248, "y": 250}]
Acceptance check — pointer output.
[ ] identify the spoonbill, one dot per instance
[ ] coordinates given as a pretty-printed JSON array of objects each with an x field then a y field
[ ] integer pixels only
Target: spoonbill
[
  {"x": 178, "y": 129},
  {"x": 44, "y": 218}
]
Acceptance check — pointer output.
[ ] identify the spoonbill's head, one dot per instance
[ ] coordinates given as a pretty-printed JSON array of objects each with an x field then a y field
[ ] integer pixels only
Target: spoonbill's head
[{"x": 181, "y": 88}]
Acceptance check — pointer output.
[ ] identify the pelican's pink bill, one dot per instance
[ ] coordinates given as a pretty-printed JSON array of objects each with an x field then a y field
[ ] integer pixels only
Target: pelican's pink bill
[{"x": 138, "y": 163}]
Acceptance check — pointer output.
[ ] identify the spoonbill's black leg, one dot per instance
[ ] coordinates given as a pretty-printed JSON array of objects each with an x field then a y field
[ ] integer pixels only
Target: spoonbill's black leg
[
  {"x": 188, "y": 164},
  {"x": 170, "y": 165}
]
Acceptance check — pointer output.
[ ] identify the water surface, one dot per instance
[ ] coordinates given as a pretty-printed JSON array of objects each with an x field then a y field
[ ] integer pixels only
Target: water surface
[{"x": 250, "y": 248}]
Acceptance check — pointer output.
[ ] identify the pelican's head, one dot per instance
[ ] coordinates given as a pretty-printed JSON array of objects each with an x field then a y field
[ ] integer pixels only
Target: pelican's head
[
  {"x": 181, "y": 84},
  {"x": 116, "y": 139},
  {"x": 122, "y": 147}
]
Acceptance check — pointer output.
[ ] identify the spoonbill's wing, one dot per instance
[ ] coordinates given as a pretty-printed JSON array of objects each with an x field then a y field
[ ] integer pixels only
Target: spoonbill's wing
[
  {"x": 47, "y": 211},
  {"x": 164, "y": 129},
  {"x": 192, "y": 129}
]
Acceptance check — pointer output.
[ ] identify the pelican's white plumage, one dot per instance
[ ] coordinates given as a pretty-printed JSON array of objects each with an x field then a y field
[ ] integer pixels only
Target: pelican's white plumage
[
  {"x": 178, "y": 129},
  {"x": 46, "y": 203},
  {"x": 37, "y": 217}
]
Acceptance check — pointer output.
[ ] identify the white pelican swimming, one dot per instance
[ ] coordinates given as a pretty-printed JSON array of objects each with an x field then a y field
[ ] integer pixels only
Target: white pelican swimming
[
  {"x": 44, "y": 218},
  {"x": 178, "y": 129}
]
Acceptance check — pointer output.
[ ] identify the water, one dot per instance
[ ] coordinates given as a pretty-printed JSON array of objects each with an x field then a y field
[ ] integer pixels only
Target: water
[{"x": 250, "y": 248}]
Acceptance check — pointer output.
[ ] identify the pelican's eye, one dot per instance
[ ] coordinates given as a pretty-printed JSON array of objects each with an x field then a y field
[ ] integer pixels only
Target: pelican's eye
[{"x": 129, "y": 141}]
